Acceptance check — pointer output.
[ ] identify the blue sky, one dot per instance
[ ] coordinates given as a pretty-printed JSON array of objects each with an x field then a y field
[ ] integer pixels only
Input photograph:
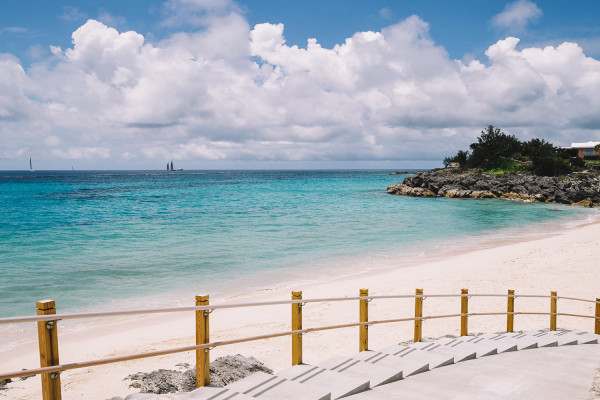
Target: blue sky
[
  {"x": 220, "y": 84},
  {"x": 463, "y": 27}
]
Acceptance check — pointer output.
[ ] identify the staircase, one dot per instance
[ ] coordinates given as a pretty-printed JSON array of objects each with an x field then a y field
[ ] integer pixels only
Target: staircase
[{"x": 340, "y": 376}]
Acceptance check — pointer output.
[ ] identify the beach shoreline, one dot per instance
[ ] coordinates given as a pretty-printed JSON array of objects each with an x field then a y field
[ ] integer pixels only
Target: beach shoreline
[{"x": 554, "y": 260}]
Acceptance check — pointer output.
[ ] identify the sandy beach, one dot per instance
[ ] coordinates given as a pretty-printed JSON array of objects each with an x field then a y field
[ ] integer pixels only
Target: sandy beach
[{"x": 565, "y": 261}]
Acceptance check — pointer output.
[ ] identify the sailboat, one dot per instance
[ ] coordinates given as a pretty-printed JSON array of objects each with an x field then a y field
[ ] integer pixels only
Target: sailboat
[
  {"x": 170, "y": 167},
  {"x": 30, "y": 167}
]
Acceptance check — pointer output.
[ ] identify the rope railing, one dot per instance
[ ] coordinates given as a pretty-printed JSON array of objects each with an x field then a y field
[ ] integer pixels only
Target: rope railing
[
  {"x": 147, "y": 311},
  {"x": 47, "y": 320}
]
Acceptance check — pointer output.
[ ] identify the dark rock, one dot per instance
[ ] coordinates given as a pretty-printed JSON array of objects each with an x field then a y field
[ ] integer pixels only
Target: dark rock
[
  {"x": 161, "y": 381},
  {"x": 584, "y": 203},
  {"x": 572, "y": 189},
  {"x": 404, "y": 172},
  {"x": 223, "y": 370},
  {"x": 3, "y": 383}
]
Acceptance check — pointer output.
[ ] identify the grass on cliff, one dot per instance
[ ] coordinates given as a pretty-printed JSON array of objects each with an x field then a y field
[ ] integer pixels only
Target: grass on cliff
[{"x": 509, "y": 167}]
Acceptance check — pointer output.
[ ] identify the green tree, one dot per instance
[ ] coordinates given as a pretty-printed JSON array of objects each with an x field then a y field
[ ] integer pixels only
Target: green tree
[
  {"x": 461, "y": 158},
  {"x": 493, "y": 149},
  {"x": 538, "y": 148},
  {"x": 550, "y": 166}
]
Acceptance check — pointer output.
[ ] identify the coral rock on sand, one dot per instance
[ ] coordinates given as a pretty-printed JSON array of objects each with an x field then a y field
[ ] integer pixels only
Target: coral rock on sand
[{"x": 223, "y": 371}]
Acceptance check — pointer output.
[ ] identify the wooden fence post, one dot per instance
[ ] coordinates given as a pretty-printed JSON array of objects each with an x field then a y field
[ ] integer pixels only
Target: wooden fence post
[
  {"x": 297, "y": 325},
  {"x": 597, "y": 323},
  {"x": 418, "y": 314},
  {"x": 48, "y": 343},
  {"x": 510, "y": 318},
  {"x": 464, "y": 310},
  {"x": 553, "y": 308},
  {"x": 202, "y": 337},
  {"x": 364, "y": 317}
]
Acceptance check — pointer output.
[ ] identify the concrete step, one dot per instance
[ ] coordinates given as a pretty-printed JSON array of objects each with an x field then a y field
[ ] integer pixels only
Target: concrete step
[
  {"x": 566, "y": 338},
  {"x": 459, "y": 354},
  {"x": 213, "y": 393},
  {"x": 408, "y": 367},
  {"x": 504, "y": 340},
  {"x": 501, "y": 346},
  {"x": 356, "y": 369},
  {"x": 542, "y": 339},
  {"x": 563, "y": 372},
  {"x": 434, "y": 360},
  {"x": 585, "y": 337},
  {"x": 265, "y": 386},
  {"x": 482, "y": 349},
  {"x": 338, "y": 384}
]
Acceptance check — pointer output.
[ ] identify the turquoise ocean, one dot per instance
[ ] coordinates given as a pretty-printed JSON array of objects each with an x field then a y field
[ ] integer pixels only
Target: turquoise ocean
[{"x": 122, "y": 239}]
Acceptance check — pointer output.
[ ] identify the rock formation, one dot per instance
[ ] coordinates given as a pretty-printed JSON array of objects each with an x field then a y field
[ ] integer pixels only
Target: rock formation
[
  {"x": 577, "y": 188},
  {"x": 223, "y": 370}
]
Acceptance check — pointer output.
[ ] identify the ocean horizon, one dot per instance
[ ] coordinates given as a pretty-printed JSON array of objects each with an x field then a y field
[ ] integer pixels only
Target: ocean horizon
[{"x": 119, "y": 239}]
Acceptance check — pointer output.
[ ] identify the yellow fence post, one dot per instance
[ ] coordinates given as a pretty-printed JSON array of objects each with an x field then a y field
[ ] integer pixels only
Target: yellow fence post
[
  {"x": 553, "y": 308},
  {"x": 597, "y": 324},
  {"x": 297, "y": 325},
  {"x": 364, "y": 317},
  {"x": 510, "y": 318},
  {"x": 48, "y": 342},
  {"x": 418, "y": 314},
  {"x": 464, "y": 310},
  {"x": 202, "y": 337}
]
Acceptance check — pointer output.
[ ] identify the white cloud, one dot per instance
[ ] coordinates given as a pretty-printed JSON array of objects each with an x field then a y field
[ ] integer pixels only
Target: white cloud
[
  {"x": 14, "y": 104},
  {"x": 111, "y": 20},
  {"x": 52, "y": 141},
  {"x": 386, "y": 13},
  {"x": 516, "y": 16},
  {"x": 78, "y": 153},
  {"x": 15, "y": 29},
  {"x": 71, "y": 13},
  {"x": 197, "y": 12},
  {"x": 228, "y": 92}
]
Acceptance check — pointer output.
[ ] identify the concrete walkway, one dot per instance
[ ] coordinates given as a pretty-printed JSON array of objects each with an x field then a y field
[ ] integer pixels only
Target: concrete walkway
[{"x": 561, "y": 373}]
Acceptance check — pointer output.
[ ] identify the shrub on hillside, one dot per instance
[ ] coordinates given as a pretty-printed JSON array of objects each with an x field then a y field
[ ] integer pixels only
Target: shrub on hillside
[
  {"x": 493, "y": 149},
  {"x": 550, "y": 166},
  {"x": 498, "y": 152}
]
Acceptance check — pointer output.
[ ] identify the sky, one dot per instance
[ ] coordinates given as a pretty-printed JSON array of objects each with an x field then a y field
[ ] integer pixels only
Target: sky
[{"x": 267, "y": 84}]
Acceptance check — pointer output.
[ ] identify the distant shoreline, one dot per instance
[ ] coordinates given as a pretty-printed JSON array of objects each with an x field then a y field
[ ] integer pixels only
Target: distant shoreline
[{"x": 581, "y": 189}]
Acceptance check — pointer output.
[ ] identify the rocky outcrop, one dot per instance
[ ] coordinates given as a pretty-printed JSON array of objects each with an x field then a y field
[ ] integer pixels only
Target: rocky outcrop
[
  {"x": 4, "y": 382},
  {"x": 223, "y": 370},
  {"x": 579, "y": 188}
]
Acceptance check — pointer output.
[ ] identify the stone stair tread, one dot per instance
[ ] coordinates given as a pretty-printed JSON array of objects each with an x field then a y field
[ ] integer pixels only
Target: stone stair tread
[
  {"x": 544, "y": 339},
  {"x": 501, "y": 346},
  {"x": 482, "y": 349},
  {"x": 522, "y": 341},
  {"x": 214, "y": 393},
  {"x": 435, "y": 360},
  {"x": 376, "y": 374},
  {"x": 566, "y": 338},
  {"x": 586, "y": 337},
  {"x": 265, "y": 386},
  {"x": 338, "y": 384},
  {"x": 407, "y": 367},
  {"x": 459, "y": 354}
]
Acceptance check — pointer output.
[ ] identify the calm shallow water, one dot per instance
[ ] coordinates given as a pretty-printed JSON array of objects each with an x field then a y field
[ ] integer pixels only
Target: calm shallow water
[{"x": 111, "y": 237}]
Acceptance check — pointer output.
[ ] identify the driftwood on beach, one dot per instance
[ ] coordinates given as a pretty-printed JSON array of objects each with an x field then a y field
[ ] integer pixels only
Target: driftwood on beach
[{"x": 577, "y": 188}]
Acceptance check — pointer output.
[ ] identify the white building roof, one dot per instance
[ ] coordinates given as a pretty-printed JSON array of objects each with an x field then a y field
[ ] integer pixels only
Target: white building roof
[{"x": 584, "y": 145}]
